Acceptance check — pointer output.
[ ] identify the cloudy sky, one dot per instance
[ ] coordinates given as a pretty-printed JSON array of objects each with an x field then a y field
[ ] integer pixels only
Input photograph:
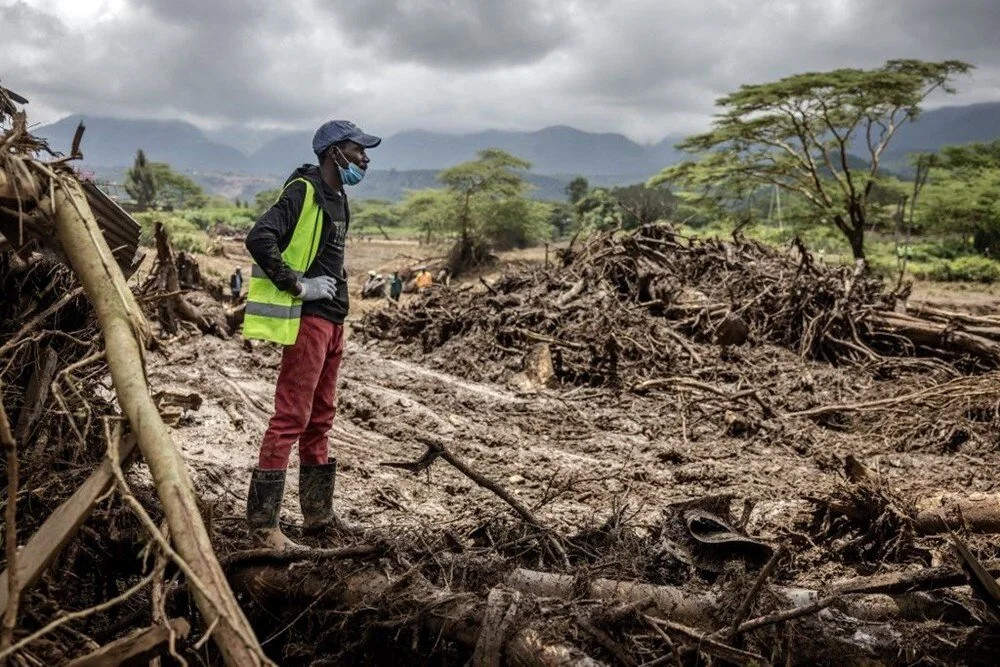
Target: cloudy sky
[{"x": 646, "y": 68}]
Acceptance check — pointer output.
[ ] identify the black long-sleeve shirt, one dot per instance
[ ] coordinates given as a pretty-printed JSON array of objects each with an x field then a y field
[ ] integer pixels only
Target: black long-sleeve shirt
[{"x": 272, "y": 233}]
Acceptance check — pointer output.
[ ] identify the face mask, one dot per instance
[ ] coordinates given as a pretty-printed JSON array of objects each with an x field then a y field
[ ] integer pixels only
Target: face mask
[{"x": 352, "y": 174}]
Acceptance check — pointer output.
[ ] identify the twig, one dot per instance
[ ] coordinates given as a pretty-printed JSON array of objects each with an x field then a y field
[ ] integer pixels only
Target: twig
[
  {"x": 487, "y": 285},
  {"x": 609, "y": 644},
  {"x": 744, "y": 610},
  {"x": 37, "y": 319},
  {"x": 10, "y": 531},
  {"x": 708, "y": 644},
  {"x": 435, "y": 444},
  {"x": 77, "y": 615},
  {"x": 299, "y": 554},
  {"x": 787, "y": 614}
]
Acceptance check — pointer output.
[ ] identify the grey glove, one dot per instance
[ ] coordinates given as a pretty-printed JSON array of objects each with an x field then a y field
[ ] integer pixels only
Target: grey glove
[{"x": 320, "y": 287}]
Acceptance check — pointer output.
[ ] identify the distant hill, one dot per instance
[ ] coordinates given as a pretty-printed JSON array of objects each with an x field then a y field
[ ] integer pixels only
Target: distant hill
[
  {"x": 949, "y": 125},
  {"x": 942, "y": 127},
  {"x": 113, "y": 142},
  {"x": 558, "y": 152}
]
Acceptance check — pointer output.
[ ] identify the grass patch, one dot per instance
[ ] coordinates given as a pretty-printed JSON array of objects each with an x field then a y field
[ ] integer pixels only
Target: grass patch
[{"x": 183, "y": 234}]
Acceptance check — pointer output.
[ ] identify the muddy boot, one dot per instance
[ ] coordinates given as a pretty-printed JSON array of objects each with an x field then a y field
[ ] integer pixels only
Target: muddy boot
[
  {"x": 263, "y": 503},
  {"x": 316, "y": 485}
]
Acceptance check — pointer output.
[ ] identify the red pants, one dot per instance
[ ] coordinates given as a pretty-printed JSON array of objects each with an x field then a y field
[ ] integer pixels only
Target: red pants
[{"x": 305, "y": 400}]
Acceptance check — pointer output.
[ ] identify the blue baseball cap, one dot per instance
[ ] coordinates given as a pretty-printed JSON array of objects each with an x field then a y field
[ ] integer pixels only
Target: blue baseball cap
[{"x": 333, "y": 131}]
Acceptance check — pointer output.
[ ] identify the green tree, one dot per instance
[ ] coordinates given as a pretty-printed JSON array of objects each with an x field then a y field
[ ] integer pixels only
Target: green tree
[
  {"x": 140, "y": 182},
  {"x": 375, "y": 213},
  {"x": 561, "y": 219},
  {"x": 429, "y": 210},
  {"x": 962, "y": 196},
  {"x": 264, "y": 199},
  {"x": 643, "y": 204},
  {"x": 576, "y": 189},
  {"x": 175, "y": 189},
  {"x": 488, "y": 198},
  {"x": 599, "y": 210},
  {"x": 798, "y": 133}
]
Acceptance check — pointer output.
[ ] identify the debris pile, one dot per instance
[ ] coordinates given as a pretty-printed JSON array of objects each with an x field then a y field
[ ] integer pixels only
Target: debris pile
[{"x": 625, "y": 310}]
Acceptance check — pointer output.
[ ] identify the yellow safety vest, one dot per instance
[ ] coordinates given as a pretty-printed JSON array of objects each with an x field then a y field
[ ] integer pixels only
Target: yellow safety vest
[{"x": 274, "y": 314}]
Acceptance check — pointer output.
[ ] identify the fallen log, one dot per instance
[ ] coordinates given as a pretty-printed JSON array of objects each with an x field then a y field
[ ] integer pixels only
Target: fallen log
[
  {"x": 702, "y": 610},
  {"x": 140, "y": 646},
  {"x": 124, "y": 329},
  {"x": 977, "y": 512},
  {"x": 669, "y": 601},
  {"x": 455, "y": 617},
  {"x": 926, "y": 579},
  {"x": 936, "y": 335}
]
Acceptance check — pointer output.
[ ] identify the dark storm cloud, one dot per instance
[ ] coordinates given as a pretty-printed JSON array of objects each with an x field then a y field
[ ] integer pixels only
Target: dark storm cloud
[
  {"x": 644, "y": 67},
  {"x": 456, "y": 34}
]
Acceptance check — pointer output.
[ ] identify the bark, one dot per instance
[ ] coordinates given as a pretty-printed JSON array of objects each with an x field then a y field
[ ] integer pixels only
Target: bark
[
  {"x": 977, "y": 512},
  {"x": 458, "y": 618},
  {"x": 139, "y": 646},
  {"x": 923, "y": 333},
  {"x": 168, "y": 281},
  {"x": 124, "y": 330}
]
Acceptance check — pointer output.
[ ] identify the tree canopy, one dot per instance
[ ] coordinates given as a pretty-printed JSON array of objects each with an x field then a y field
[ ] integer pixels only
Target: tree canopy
[
  {"x": 962, "y": 195},
  {"x": 800, "y": 134},
  {"x": 490, "y": 209},
  {"x": 175, "y": 189}
]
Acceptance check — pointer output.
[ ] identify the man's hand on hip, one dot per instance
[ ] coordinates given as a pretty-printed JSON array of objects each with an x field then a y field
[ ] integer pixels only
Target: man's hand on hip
[{"x": 320, "y": 287}]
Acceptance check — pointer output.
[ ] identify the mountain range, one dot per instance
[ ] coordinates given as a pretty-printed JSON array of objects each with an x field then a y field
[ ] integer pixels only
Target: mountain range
[{"x": 557, "y": 153}]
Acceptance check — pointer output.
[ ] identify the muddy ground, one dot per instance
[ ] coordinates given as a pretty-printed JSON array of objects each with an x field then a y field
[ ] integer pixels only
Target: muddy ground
[{"x": 574, "y": 453}]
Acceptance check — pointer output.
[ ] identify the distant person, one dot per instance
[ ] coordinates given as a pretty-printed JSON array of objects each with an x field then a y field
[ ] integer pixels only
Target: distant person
[
  {"x": 374, "y": 287},
  {"x": 443, "y": 276},
  {"x": 236, "y": 284},
  {"x": 395, "y": 286},
  {"x": 366, "y": 288},
  {"x": 298, "y": 297},
  {"x": 424, "y": 279}
]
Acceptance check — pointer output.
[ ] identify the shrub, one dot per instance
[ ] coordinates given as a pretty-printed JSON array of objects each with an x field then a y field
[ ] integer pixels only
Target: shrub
[
  {"x": 182, "y": 233},
  {"x": 972, "y": 269}
]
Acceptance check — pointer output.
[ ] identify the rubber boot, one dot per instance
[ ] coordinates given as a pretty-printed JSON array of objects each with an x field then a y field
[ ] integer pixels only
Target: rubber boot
[
  {"x": 316, "y": 484},
  {"x": 263, "y": 504}
]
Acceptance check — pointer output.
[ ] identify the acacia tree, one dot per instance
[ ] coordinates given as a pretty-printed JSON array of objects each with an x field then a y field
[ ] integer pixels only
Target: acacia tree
[
  {"x": 428, "y": 210},
  {"x": 495, "y": 178},
  {"x": 801, "y": 134},
  {"x": 140, "y": 182}
]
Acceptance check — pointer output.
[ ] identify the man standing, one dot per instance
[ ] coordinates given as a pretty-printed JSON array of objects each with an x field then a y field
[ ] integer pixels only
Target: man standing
[
  {"x": 236, "y": 284},
  {"x": 396, "y": 286},
  {"x": 298, "y": 297}
]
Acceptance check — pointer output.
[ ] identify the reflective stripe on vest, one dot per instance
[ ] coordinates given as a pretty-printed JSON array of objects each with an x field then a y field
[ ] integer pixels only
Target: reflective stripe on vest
[{"x": 274, "y": 314}]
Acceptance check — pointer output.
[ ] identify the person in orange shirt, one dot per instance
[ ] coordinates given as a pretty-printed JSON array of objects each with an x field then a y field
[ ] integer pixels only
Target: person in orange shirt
[{"x": 424, "y": 278}]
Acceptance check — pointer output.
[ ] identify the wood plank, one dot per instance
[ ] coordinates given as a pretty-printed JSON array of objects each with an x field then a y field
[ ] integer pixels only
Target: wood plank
[
  {"x": 135, "y": 648},
  {"x": 61, "y": 526}
]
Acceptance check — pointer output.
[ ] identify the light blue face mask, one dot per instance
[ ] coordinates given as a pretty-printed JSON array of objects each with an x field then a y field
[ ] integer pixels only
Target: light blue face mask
[{"x": 352, "y": 174}]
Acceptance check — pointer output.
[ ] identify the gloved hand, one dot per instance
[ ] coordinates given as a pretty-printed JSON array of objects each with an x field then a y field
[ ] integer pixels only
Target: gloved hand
[{"x": 320, "y": 287}]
